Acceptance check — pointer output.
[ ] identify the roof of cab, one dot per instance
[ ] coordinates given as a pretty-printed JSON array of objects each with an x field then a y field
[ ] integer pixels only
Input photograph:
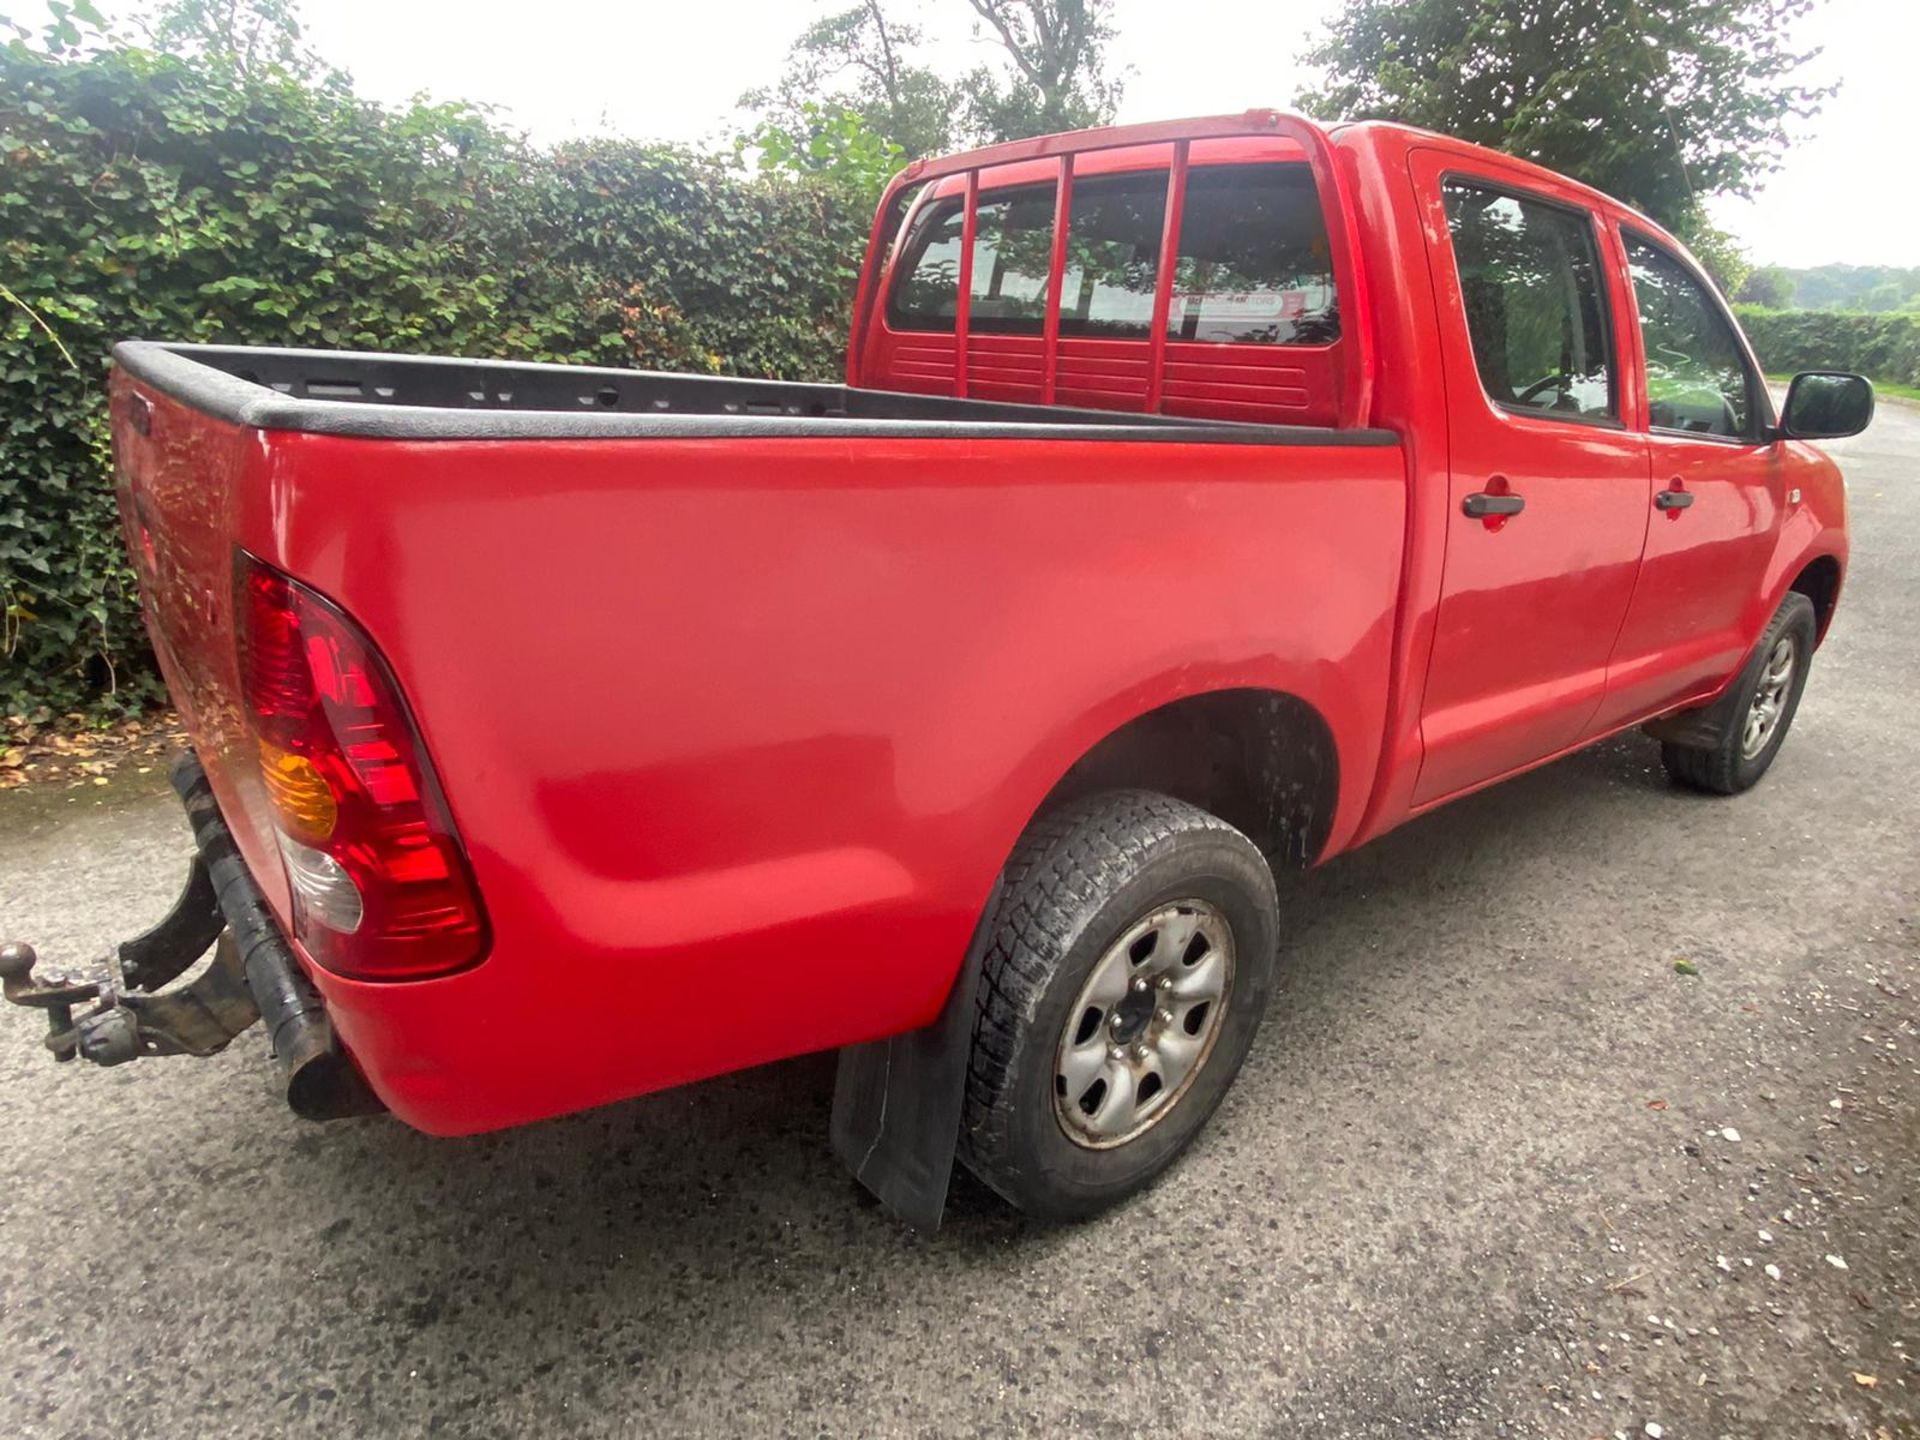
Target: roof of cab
[
  {"x": 1223, "y": 139},
  {"x": 1413, "y": 137}
]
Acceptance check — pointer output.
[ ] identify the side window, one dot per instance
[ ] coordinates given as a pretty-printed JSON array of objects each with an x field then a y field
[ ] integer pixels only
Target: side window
[
  {"x": 1530, "y": 277},
  {"x": 1253, "y": 265},
  {"x": 1113, "y": 255},
  {"x": 1697, "y": 378}
]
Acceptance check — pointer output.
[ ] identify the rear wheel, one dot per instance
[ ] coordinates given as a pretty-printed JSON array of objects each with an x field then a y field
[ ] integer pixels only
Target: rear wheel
[
  {"x": 1130, "y": 960},
  {"x": 1760, "y": 711}
]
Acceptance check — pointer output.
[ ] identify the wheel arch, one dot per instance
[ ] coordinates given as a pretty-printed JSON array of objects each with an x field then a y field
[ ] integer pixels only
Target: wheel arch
[
  {"x": 1263, "y": 760},
  {"x": 1819, "y": 580}
]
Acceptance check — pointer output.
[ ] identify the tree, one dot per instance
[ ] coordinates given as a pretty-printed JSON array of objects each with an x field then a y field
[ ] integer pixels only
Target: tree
[
  {"x": 1769, "y": 286},
  {"x": 1059, "y": 79},
  {"x": 855, "y": 76},
  {"x": 1882, "y": 298},
  {"x": 1847, "y": 287},
  {"x": 1658, "y": 102},
  {"x": 855, "y": 62},
  {"x": 830, "y": 143},
  {"x": 252, "y": 37},
  {"x": 1717, "y": 250}
]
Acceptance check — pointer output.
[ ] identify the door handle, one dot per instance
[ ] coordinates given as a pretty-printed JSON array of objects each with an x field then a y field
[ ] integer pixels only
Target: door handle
[
  {"x": 1672, "y": 500},
  {"x": 1482, "y": 506}
]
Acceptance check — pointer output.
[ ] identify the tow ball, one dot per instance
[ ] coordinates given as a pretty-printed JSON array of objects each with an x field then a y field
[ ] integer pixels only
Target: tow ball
[
  {"x": 252, "y": 976},
  {"x": 132, "y": 1016}
]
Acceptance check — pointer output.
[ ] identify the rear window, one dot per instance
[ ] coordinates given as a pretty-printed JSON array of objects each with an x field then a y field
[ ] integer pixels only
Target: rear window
[
  {"x": 1012, "y": 240},
  {"x": 1012, "y": 243},
  {"x": 929, "y": 273},
  {"x": 1113, "y": 255},
  {"x": 1252, "y": 266}
]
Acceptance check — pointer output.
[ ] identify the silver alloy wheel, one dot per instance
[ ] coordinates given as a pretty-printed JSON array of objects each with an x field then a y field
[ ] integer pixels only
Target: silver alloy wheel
[
  {"x": 1144, "y": 1024},
  {"x": 1770, "y": 697}
]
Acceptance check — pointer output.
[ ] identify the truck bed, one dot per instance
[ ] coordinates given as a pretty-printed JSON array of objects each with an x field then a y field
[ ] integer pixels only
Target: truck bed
[
  {"x": 409, "y": 397},
  {"x": 737, "y": 725}
]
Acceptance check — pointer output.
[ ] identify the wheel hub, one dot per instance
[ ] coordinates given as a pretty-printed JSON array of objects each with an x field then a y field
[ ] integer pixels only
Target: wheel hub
[
  {"x": 1131, "y": 1017},
  {"x": 1144, "y": 1023},
  {"x": 1769, "y": 697}
]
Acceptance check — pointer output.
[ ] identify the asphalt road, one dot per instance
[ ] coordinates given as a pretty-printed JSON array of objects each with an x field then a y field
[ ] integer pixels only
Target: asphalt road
[{"x": 1480, "y": 1176}]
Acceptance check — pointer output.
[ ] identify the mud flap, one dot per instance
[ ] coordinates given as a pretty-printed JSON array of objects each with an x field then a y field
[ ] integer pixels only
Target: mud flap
[
  {"x": 1701, "y": 727},
  {"x": 897, "y": 1102}
]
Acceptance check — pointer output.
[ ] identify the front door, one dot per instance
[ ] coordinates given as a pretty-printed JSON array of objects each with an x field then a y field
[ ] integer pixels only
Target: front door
[
  {"x": 1718, "y": 494},
  {"x": 1549, "y": 489}
]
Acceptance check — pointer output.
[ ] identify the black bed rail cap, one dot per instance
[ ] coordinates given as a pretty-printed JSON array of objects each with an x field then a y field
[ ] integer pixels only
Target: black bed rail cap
[{"x": 415, "y": 397}]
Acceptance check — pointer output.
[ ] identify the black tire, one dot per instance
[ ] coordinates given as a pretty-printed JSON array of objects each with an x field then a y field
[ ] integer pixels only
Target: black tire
[
  {"x": 1719, "y": 766},
  {"x": 1078, "y": 882}
]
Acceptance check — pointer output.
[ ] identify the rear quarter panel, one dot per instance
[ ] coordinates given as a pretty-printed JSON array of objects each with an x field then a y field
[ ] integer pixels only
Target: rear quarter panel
[
  {"x": 188, "y": 487},
  {"x": 738, "y": 733}
]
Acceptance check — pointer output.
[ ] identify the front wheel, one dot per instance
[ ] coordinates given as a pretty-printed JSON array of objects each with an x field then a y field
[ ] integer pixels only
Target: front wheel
[
  {"x": 1750, "y": 730},
  {"x": 1129, "y": 963}
]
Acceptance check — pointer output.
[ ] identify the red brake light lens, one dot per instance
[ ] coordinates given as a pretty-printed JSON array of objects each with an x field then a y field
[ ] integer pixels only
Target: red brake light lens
[{"x": 380, "y": 884}]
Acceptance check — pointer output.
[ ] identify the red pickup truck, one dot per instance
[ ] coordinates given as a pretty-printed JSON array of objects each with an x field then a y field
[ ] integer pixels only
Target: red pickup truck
[{"x": 1203, "y": 499}]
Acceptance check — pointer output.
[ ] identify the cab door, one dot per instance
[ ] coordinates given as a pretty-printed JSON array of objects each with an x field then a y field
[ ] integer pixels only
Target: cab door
[
  {"x": 1549, "y": 486},
  {"x": 1718, "y": 492}
]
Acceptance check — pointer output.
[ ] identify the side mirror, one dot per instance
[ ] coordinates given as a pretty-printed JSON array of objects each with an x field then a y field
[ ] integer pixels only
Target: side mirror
[{"x": 1826, "y": 405}]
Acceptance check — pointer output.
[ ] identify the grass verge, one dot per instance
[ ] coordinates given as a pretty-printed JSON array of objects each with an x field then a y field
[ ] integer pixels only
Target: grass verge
[{"x": 1881, "y": 388}]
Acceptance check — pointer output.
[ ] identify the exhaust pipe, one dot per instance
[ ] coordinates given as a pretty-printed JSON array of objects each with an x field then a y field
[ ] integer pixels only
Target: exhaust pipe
[{"x": 321, "y": 1081}]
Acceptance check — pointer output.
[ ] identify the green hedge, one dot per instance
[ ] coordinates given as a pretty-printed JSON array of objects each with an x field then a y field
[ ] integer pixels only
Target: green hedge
[
  {"x": 1884, "y": 346},
  {"x": 146, "y": 195}
]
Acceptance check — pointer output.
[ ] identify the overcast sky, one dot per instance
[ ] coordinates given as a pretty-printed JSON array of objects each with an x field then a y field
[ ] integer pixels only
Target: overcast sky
[{"x": 671, "y": 69}]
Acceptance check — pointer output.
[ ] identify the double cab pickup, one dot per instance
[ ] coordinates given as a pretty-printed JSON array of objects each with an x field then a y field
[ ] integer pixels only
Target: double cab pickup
[{"x": 1203, "y": 500}]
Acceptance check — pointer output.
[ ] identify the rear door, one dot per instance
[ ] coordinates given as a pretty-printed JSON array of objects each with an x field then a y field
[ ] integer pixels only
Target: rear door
[
  {"x": 1549, "y": 490},
  {"x": 1717, "y": 483}
]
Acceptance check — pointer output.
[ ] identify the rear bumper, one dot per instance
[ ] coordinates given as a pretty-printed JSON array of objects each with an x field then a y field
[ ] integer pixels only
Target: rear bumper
[{"x": 253, "y": 978}]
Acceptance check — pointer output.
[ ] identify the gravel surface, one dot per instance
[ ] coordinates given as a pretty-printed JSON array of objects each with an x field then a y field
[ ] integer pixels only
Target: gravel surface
[{"x": 1501, "y": 1163}]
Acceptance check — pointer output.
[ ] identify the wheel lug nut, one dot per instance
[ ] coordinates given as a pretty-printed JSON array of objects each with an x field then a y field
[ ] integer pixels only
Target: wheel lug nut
[
  {"x": 1140, "y": 985},
  {"x": 1166, "y": 982},
  {"x": 1165, "y": 1017},
  {"x": 1115, "y": 1021},
  {"x": 1116, "y": 1052},
  {"x": 1143, "y": 1053}
]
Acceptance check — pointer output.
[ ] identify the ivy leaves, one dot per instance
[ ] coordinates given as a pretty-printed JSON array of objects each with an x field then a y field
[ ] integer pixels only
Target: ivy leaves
[{"x": 145, "y": 194}]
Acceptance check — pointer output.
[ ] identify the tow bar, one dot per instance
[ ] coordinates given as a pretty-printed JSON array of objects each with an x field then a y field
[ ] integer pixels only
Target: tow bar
[{"x": 252, "y": 975}]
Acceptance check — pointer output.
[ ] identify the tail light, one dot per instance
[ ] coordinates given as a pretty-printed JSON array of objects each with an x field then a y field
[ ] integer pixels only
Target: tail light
[{"x": 380, "y": 885}]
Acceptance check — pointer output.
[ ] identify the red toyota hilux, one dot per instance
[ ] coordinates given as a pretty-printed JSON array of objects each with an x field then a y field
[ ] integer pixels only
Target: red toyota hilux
[{"x": 1203, "y": 499}]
